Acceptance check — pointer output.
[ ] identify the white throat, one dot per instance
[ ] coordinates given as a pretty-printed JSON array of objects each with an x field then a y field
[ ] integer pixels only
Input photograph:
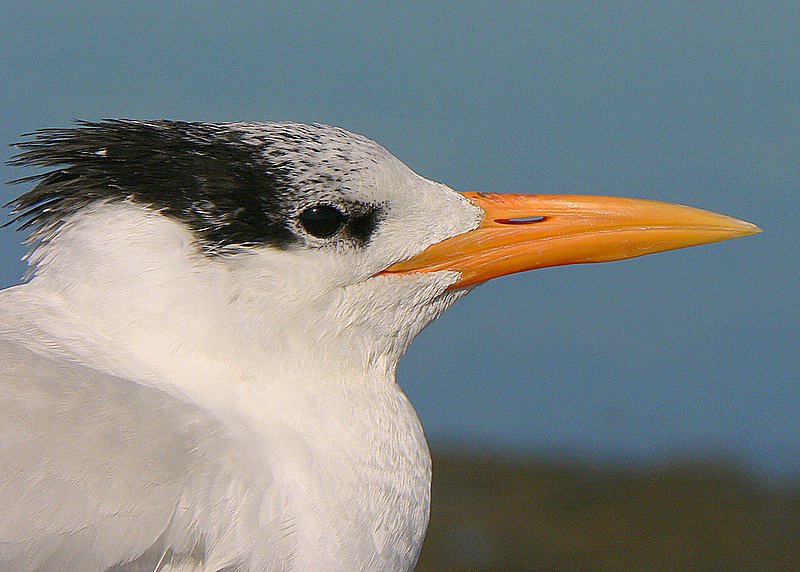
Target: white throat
[
  {"x": 133, "y": 285},
  {"x": 308, "y": 378}
]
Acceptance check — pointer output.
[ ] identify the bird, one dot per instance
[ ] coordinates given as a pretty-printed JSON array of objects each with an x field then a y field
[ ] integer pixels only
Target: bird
[{"x": 198, "y": 369}]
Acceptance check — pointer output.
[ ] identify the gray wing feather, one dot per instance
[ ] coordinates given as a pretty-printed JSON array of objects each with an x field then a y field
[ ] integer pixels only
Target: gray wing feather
[{"x": 92, "y": 467}]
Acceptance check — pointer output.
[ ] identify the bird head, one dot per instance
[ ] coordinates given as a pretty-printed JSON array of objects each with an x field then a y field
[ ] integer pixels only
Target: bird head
[{"x": 315, "y": 235}]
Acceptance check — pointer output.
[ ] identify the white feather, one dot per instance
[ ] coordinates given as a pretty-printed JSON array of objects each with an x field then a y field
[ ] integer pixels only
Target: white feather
[{"x": 164, "y": 409}]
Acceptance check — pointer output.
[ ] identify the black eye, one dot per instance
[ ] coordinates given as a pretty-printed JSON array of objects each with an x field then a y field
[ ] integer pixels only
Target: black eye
[{"x": 322, "y": 221}]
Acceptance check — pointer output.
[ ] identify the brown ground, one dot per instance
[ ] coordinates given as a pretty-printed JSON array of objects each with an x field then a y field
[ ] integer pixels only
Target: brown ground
[{"x": 506, "y": 514}]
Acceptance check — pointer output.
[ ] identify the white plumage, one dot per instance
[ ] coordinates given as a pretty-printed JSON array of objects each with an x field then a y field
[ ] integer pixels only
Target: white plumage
[
  {"x": 160, "y": 405},
  {"x": 184, "y": 390}
]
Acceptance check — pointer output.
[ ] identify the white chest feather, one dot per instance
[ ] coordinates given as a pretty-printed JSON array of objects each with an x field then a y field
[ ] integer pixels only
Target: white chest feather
[{"x": 301, "y": 452}]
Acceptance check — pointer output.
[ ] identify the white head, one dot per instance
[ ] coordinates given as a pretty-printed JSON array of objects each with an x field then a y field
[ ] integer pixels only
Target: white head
[
  {"x": 268, "y": 235},
  {"x": 296, "y": 239}
]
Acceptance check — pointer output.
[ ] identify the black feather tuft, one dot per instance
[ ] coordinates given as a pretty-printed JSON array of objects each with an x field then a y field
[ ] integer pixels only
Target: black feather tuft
[{"x": 202, "y": 174}]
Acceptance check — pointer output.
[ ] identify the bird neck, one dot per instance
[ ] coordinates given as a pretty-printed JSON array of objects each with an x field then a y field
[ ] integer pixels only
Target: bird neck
[
  {"x": 128, "y": 291},
  {"x": 304, "y": 380}
]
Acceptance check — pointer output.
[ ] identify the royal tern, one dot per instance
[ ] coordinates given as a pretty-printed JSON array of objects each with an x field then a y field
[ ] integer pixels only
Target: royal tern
[{"x": 199, "y": 372}]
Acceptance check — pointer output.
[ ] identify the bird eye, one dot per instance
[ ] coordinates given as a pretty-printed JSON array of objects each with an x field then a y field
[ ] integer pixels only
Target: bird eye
[{"x": 322, "y": 221}]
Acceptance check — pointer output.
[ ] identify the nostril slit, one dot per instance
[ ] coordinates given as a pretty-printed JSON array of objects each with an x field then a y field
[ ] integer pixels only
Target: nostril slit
[{"x": 521, "y": 220}]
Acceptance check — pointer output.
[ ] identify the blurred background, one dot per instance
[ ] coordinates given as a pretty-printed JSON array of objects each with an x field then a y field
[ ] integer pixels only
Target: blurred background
[{"x": 634, "y": 415}]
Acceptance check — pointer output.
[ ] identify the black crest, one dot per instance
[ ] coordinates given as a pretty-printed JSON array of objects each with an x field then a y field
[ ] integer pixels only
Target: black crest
[{"x": 202, "y": 174}]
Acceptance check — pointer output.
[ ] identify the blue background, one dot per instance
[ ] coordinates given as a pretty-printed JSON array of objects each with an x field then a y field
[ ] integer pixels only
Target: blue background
[{"x": 691, "y": 352}]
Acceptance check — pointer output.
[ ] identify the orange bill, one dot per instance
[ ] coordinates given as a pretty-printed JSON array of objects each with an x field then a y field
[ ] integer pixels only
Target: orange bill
[{"x": 525, "y": 232}]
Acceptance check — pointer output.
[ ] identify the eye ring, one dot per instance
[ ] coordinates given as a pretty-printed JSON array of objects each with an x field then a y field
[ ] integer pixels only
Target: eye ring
[{"x": 322, "y": 221}]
